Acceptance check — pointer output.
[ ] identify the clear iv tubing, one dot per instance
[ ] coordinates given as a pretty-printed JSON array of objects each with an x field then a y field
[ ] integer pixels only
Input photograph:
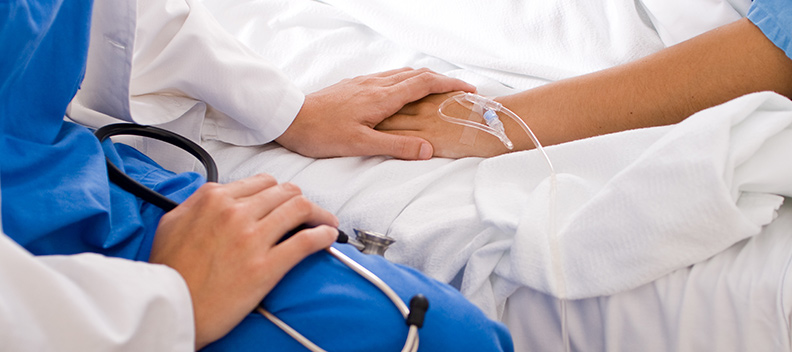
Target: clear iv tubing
[{"x": 494, "y": 127}]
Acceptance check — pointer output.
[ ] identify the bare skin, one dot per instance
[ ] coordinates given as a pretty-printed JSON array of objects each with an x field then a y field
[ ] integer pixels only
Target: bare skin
[
  {"x": 339, "y": 120},
  {"x": 660, "y": 89},
  {"x": 222, "y": 240}
]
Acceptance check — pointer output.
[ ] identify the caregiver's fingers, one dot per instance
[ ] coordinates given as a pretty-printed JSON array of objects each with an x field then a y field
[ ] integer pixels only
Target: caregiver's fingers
[
  {"x": 260, "y": 204},
  {"x": 404, "y": 121},
  {"x": 390, "y": 72},
  {"x": 228, "y": 192},
  {"x": 291, "y": 214},
  {"x": 250, "y": 185},
  {"x": 420, "y": 115},
  {"x": 412, "y": 85},
  {"x": 296, "y": 248},
  {"x": 398, "y": 146}
]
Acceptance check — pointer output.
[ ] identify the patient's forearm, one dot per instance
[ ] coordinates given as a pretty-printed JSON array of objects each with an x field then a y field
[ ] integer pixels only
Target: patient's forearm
[{"x": 660, "y": 89}]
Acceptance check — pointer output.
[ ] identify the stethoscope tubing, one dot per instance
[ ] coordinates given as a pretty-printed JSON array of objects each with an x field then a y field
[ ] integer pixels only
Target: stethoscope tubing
[
  {"x": 134, "y": 187},
  {"x": 155, "y": 198}
]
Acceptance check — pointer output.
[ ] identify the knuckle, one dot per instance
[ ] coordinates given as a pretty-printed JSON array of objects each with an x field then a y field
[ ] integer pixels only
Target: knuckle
[
  {"x": 423, "y": 70},
  {"x": 291, "y": 188},
  {"x": 208, "y": 187},
  {"x": 259, "y": 264},
  {"x": 210, "y": 194},
  {"x": 266, "y": 179},
  {"x": 364, "y": 80},
  {"x": 246, "y": 234},
  {"x": 302, "y": 205},
  {"x": 380, "y": 94},
  {"x": 169, "y": 216},
  {"x": 231, "y": 212},
  {"x": 426, "y": 77},
  {"x": 213, "y": 190}
]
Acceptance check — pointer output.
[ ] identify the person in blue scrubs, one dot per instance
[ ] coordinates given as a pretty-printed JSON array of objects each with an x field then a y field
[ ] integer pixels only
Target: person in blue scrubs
[{"x": 56, "y": 199}]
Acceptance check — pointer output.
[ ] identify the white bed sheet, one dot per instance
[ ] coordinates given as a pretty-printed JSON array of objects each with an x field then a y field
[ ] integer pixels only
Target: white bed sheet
[
  {"x": 432, "y": 206},
  {"x": 738, "y": 300}
]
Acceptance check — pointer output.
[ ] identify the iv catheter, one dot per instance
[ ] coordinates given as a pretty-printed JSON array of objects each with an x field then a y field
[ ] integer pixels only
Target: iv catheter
[
  {"x": 488, "y": 109},
  {"x": 368, "y": 242}
]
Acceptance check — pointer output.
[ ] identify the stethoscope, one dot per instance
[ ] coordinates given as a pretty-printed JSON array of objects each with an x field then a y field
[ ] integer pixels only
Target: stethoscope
[{"x": 367, "y": 241}]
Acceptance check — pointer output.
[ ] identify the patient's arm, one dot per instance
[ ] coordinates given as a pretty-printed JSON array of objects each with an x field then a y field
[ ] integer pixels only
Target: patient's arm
[{"x": 663, "y": 88}]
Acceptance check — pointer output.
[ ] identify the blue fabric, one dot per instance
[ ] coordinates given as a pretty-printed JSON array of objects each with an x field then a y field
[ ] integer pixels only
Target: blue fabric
[
  {"x": 774, "y": 19},
  {"x": 339, "y": 310},
  {"x": 56, "y": 199}
]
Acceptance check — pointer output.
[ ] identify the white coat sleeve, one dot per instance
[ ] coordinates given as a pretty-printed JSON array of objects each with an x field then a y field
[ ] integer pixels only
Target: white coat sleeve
[
  {"x": 88, "y": 302},
  {"x": 181, "y": 51}
]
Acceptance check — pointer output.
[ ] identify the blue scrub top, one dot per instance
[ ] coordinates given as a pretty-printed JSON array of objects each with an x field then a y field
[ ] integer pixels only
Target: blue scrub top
[
  {"x": 56, "y": 198},
  {"x": 774, "y": 19}
]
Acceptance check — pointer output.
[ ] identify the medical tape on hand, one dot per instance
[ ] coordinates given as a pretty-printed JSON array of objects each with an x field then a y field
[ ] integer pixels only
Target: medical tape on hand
[{"x": 468, "y": 136}]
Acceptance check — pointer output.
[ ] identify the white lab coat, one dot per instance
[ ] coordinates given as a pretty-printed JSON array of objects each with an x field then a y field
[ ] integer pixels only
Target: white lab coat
[
  {"x": 169, "y": 63},
  {"x": 88, "y": 302},
  {"x": 163, "y": 62}
]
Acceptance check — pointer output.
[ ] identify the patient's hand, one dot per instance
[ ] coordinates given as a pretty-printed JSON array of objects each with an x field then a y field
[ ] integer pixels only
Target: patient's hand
[
  {"x": 420, "y": 119},
  {"x": 339, "y": 120},
  {"x": 222, "y": 241}
]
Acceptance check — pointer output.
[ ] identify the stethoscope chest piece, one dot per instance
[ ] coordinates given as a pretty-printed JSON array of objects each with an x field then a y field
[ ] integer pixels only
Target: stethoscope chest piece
[{"x": 373, "y": 242}]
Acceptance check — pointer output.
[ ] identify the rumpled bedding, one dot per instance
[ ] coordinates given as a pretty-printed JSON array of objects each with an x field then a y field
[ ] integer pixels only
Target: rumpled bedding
[{"x": 630, "y": 207}]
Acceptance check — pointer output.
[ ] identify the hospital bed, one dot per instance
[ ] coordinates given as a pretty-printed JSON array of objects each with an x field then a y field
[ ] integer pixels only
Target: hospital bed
[{"x": 659, "y": 239}]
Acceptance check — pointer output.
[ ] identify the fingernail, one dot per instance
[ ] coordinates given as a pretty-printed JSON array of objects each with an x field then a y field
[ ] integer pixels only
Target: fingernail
[{"x": 425, "y": 152}]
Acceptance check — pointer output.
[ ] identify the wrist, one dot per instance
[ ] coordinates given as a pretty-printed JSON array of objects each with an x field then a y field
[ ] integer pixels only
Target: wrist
[{"x": 517, "y": 133}]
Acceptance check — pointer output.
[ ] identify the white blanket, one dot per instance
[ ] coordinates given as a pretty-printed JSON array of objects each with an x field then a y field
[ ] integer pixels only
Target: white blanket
[{"x": 631, "y": 206}]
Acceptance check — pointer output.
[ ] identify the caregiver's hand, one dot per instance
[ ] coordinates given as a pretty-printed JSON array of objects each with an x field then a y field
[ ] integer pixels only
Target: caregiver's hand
[
  {"x": 222, "y": 241},
  {"x": 339, "y": 120}
]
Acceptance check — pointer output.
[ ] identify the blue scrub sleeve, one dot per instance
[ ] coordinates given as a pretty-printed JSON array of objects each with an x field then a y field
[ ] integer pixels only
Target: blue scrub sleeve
[
  {"x": 774, "y": 19},
  {"x": 339, "y": 310},
  {"x": 56, "y": 195}
]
